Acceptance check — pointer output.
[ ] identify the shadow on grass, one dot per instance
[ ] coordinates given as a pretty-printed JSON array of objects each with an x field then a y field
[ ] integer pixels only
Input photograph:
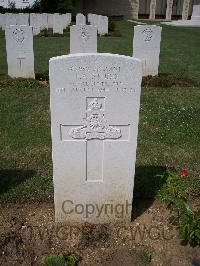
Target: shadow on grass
[
  {"x": 147, "y": 184},
  {"x": 11, "y": 178}
]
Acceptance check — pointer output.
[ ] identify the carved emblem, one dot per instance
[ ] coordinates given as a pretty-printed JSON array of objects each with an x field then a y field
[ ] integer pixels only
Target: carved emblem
[
  {"x": 18, "y": 35},
  {"x": 148, "y": 34},
  {"x": 84, "y": 34},
  {"x": 95, "y": 125}
]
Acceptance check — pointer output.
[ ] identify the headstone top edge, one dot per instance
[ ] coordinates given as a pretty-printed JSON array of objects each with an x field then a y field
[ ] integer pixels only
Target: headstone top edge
[{"x": 95, "y": 55}]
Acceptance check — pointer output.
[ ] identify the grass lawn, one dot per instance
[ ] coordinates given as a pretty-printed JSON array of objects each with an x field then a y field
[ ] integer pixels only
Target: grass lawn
[{"x": 169, "y": 129}]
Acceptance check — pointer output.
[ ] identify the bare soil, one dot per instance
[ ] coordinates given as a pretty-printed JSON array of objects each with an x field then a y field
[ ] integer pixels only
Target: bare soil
[{"x": 28, "y": 233}]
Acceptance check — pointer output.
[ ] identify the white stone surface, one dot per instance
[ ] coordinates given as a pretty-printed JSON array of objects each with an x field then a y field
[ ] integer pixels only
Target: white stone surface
[
  {"x": 196, "y": 12},
  {"x": 80, "y": 19},
  {"x": 169, "y": 9},
  {"x": 22, "y": 19},
  {"x": 35, "y": 22},
  {"x": 95, "y": 100},
  {"x": 93, "y": 19},
  {"x": 152, "y": 14},
  {"x": 83, "y": 39},
  {"x": 146, "y": 47},
  {"x": 19, "y": 48},
  {"x": 183, "y": 23},
  {"x": 50, "y": 21},
  {"x": 66, "y": 20},
  {"x": 11, "y": 19},
  {"x": 58, "y": 23},
  {"x": 102, "y": 25},
  {"x": 44, "y": 21}
]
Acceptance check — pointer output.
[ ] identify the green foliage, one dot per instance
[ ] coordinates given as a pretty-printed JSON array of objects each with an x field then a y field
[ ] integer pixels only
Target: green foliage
[
  {"x": 42, "y": 6},
  {"x": 175, "y": 194},
  {"x": 189, "y": 230},
  {"x": 61, "y": 260},
  {"x": 145, "y": 256}
]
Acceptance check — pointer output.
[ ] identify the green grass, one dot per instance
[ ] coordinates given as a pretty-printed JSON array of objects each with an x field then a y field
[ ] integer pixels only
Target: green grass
[{"x": 169, "y": 128}]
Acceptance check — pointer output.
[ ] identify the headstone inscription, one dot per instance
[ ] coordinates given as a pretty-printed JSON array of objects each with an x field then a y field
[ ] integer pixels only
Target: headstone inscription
[
  {"x": 146, "y": 47},
  {"x": 95, "y": 100},
  {"x": 19, "y": 48},
  {"x": 83, "y": 39}
]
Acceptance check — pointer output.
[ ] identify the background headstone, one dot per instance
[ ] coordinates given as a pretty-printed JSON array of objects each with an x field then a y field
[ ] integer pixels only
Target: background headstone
[
  {"x": 19, "y": 48},
  {"x": 35, "y": 22},
  {"x": 50, "y": 21},
  {"x": 95, "y": 100},
  {"x": 196, "y": 12},
  {"x": 44, "y": 21},
  {"x": 83, "y": 39},
  {"x": 11, "y": 19},
  {"x": 58, "y": 23},
  {"x": 146, "y": 47},
  {"x": 80, "y": 19},
  {"x": 102, "y": 25}
]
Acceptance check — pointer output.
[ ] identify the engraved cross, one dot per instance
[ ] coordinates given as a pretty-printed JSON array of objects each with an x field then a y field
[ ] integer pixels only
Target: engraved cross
[{"x": 95, "y": 131}]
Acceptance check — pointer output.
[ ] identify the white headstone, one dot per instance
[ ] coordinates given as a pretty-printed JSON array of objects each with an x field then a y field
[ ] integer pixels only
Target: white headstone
[
  {"x": 58, "y": 24},
  {"x": 44, "y": 21},
  {"x": 50, "y": 21},
  {"x": 80, "y": 19},
  {"x": 19, "y": 48},
  {"x": 83, "y": 39},
  {"x": 102, "y": 25},
  {"x": 95, "y": 100},
  {"x": 196, "y": 12},
  {"x": 11, "y": 19},
  {"x": 35, "y": 22},
  {"x": 23, "y": 19},
  {"x": 146, "y": 47},
  {"x": 93, "y": 19}
]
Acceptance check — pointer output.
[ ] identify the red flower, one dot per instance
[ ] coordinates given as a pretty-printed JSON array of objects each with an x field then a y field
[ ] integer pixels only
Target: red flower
[{"x": 183, "y": 173}]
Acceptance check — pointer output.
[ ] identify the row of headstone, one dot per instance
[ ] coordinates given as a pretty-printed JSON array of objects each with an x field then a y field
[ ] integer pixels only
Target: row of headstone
[
  {"x": 146, "y": 44},
  {"x": 83, "y": 39},
  {"x": 98, "y": 21},
  {"x": 39, "y": 22}
]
